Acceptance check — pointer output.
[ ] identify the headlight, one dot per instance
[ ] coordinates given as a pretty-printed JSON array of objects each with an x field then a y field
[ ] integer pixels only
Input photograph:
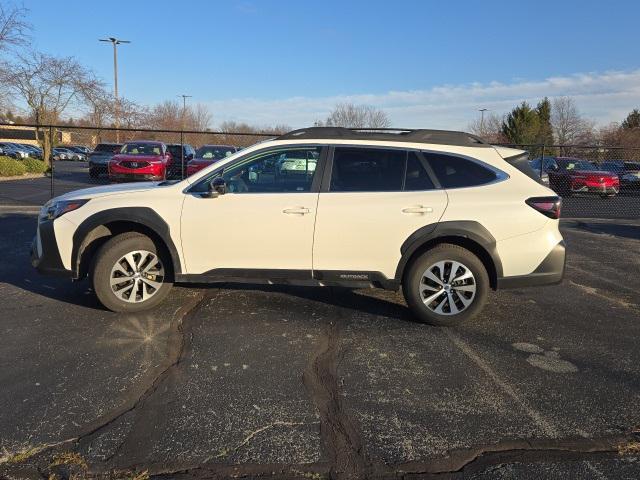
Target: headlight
[{"x": 56, "y": 208}]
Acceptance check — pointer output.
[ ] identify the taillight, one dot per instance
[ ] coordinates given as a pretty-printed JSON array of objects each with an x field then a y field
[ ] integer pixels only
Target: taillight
[{"x": 548, "y": 206}]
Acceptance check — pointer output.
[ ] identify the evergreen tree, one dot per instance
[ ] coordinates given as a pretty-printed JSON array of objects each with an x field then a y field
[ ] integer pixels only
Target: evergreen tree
[
  {"x": 521, "y": 125},
  {"x": 545, "y": 130},
  {"x": 632, "y": 120}
]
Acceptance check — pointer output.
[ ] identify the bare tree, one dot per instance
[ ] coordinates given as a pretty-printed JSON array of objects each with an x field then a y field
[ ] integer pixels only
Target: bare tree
[
  {"x": 230, "y": 127},
  {"x": 170, "y": 115},
  {"x": 99, "y": 104},
  {"x": 48, "y": 85},
  {"x": 14, "y": 29},
  {"x": 201, "y": 117},
  {"x": 350, "y": 115},
  {"x": 569, "y": 126},
  {"x": 489, "y": 129}
]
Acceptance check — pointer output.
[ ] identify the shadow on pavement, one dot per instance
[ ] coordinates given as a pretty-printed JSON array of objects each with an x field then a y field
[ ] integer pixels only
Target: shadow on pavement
[
  {"x": 615, "y": 229},
  {"x": 18, "y": 231}
]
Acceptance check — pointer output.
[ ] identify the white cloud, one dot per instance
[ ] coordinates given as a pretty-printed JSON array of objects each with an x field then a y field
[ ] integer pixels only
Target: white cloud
[{"x": 603, "y": 97}]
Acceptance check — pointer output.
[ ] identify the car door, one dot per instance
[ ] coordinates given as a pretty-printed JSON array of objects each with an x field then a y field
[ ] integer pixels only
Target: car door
[
  {"x": 372, "y": 200},
  {"x": 263, "y": 224}
]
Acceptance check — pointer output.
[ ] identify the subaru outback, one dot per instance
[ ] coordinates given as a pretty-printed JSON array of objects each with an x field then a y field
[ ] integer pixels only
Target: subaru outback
[{"x": 442, "y": 215}]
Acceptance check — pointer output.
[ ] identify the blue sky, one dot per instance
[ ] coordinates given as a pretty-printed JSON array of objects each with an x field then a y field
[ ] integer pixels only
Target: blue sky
[{"x": 427, "y": 63}]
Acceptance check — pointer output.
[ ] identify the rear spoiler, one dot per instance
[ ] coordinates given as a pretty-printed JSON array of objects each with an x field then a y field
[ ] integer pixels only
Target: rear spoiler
[{"x": 520, "y": 160}]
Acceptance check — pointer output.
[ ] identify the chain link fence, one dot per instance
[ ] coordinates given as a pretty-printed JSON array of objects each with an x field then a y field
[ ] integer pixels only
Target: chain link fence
[
  {"x": 80, "y": 157},
  {"x": 594, "y": 181}
]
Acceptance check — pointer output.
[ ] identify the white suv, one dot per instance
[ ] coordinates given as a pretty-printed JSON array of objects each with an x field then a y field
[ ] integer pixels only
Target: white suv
[{"x": 442, "y": 214}]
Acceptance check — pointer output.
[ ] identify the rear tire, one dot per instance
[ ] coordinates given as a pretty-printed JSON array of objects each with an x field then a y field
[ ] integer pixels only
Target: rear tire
[
  {"x": 446, "y": 285},
  {"x": 131, "y": 274}
]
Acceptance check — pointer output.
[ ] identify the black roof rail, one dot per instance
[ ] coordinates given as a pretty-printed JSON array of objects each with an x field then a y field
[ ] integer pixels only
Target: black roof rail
[{"x": 444, "y": 137}]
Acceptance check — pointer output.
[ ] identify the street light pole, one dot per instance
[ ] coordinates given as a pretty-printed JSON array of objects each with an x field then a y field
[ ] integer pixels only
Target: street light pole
[
  {"x": 115, "y": 42},
  {"x": 482, "y": 110},
  {"x": 184, "y": 109}
]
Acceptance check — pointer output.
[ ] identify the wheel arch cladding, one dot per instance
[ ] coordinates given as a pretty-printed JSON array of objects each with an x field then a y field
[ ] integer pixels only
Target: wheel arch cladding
[
  {"x": 99, "y": 227},
  {"x": 467, "y": 234}
]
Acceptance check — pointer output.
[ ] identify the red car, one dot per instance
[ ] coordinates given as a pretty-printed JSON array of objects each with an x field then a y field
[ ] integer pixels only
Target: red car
[
  {"x": 208, "y": 154},
  {"x": 573, "y": 175},
  {"x": 140, "y": 161}
]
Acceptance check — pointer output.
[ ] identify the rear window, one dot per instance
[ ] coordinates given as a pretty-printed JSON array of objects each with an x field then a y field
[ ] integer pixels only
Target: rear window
[
  {"x": 176, "y": 151},
  {"x": 457, "y": 172},
  {"x": 107, "y": 147}
]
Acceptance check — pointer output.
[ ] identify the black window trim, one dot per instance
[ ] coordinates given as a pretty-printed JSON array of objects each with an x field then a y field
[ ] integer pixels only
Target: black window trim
[
  {"x": 315, "y": 184},
  {"x": 326, "y": 180},
  {"x": 500, "y": 175}
]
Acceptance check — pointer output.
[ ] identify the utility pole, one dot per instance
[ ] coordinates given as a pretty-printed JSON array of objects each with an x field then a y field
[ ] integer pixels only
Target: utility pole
[
  {"x": 482, "y": 110},
  {"x": 184, "y": 110},
  {"x": 115, "y": 42}
]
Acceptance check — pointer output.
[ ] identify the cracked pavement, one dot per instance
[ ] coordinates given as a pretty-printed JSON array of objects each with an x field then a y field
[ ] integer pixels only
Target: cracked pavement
[{"x": 287, "y": 382}]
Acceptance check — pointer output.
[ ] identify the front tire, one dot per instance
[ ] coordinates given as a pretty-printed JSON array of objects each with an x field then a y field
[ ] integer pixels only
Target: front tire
[
  {"x": 446, "y": 285},
  {"x": 130, "y": 273}
]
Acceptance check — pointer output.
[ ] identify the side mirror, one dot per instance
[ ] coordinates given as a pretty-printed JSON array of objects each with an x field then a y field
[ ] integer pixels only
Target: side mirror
[
  {"x": 216, "y": 187},
  {"x": 219, "y": 185}
]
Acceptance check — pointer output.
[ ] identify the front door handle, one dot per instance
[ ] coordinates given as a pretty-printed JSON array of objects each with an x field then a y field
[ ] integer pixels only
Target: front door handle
[
  {"x": 296, "y": 211},
  {"x": 417, "y": 209}
]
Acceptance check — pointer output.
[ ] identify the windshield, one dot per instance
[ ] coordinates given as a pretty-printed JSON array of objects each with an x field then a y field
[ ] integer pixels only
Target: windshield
[
  {"x": 142, "y": 149},
  {"x": 215, "y": 152}
]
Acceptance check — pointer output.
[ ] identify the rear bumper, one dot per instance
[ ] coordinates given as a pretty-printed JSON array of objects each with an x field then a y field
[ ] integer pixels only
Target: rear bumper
[
  {"x": 549, "y": 272},
  {"x": 45, "y": 256},
  {"x": 599, "y": 189}
]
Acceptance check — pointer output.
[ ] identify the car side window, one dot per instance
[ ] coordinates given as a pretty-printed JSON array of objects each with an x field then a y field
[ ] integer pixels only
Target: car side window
[
  {"x": 367, "y": 170},
  {"x": 276, "y": 171},
  {"x": 458, "y": 172},
  {"x": 416, "y": 177}
]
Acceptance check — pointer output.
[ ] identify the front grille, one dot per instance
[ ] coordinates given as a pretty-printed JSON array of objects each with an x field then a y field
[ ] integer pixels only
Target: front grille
[{"x": 132, "y": 164}]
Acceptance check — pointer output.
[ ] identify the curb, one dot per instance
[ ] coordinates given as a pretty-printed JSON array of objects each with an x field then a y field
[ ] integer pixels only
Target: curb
[{"x": 19, "y": 209}]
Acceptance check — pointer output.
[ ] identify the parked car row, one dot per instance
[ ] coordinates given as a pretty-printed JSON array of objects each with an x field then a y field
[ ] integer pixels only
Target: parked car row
[
  {"x": 568, "y": 175},
  {"x": 152, "y": 160},
  {"x": 69, "y": 153},
  {"x": 628, "y": 172},
  {"x": 20, "y": 151}
]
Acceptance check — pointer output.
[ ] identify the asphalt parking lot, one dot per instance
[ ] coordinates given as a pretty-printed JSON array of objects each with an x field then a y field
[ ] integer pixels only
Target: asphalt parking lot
[{"x": 283, "y": 382}]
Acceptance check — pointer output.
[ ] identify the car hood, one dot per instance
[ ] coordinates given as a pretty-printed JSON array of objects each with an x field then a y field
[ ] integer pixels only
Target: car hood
[
  {"x": 203, "y": 161},
  {"x": 103, "y": 191},
  {"x": 136, "y": 158}
]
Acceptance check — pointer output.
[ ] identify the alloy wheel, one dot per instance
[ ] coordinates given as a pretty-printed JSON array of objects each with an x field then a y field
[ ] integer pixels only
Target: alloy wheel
[
  {"x": 447, "y": 287},
  {"x": 137, "y": 276}
]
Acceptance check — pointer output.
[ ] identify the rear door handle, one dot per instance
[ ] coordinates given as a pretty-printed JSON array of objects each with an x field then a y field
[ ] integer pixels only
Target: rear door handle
[
  {"x": 417, "y": 209},
  {"x": 296, "y": 211}
]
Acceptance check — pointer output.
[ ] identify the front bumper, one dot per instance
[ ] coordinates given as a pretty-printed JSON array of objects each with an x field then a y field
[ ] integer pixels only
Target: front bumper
[
  {"x": 151, "y": 172},
  {"x": 45, "y": 257},
  {"x": 549, "y": 272},
  {"x": 134, "y": 177},
  {"x": 99, "y": 167}
]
